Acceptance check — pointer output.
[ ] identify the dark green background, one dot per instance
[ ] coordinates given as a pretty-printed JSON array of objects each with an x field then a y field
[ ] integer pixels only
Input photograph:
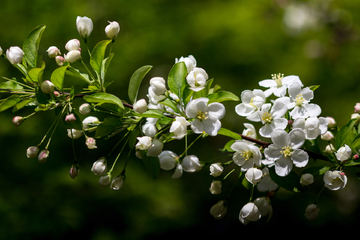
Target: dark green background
[{"x": 238, "y": 43}]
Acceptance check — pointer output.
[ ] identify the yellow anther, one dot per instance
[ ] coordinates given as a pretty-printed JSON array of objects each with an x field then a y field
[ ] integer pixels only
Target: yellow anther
[
  {"x": 287, "y": 151},
  {"x": 266, "y": 117},
  {"x": 278, "y": 79},
  {"x": 299, "y": 100},
  {"x": 201, "y": 115},
  {"x": 247, "y": 155}
]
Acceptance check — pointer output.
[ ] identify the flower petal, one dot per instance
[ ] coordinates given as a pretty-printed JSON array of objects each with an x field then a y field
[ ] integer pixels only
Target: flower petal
[
  {"x": 216, "y": 110},
  {"x": 297, "y": 138},
  {"x": 280, "y": 137},
  {"x": 211, "y": 125},
  {"x": 300, "y": 158},
  {"x": 272, "y": 152},
  {"x": 313, "y": 110},
  {"x": 283, "y": 166}
]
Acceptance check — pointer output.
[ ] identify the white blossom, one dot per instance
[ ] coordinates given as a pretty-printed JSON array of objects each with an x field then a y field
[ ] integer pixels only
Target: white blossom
[
  {"x": 335, "y": 180},
  {"x": 189, "y": 61},
  {"x": 249, "y": 212},
  {"x": 73, "y": 44},
  {"x": 140, "y": 106},
  {"x": 157, "y": 84},
  {"x": 117, "y": 183},
  {"x": 191, "y": 164},
  {"x": 312, "y": 126},
  {"x": 272, "y": 119},
  {"x": 285, "y": 150},
  {"x": 74, "y": 133},
  {"x": 47, "y": 87},
  {"x": 144, "y": 143},
  {"x": 206, "y": 117},
  {"x": 266, "y": 184},
  {"x": 84, "y": 26},
  {"x": 327, "y": 136},
  {"x": 178, "y": 171},
  {"x": 85, "y": 108},
  {"x": 306, "y": 179},
  {"x": 216, "y": 169},
  {"x": 215, "y": 187},
  {"x": 278, "y": 84},
  {"x": 112, "y": 29},
  {"x": 264, "y": 206},
  {"x": 99, "y": 167},
  {"x": 32, "y": 152},
  {"x": 90, "y": 122},
  {"x": 247, "y": 154},
  {"x": 197, "y": 79},
  {"x": 156, "y": 148},
  {"x": 179, "y": 127},
  {"x": 344, "y": 153},
  {"x": 72, "y": 56},
  {"x": 53, "y": 51},
  {"x": 250, "y": 131},
  {"x": 14, "y": 55},
  {"x": 253, "y": 175},
  {"x": 105, "y": 180},
  {"x": 149, "y": 128},
  {"x": 90, "y": 143},
  {"x": 168, "y": 160},
  {"x": 251, "y": 103}
]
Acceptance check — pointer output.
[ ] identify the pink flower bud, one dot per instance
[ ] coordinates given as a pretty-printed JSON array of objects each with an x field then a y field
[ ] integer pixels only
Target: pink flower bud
[
  {"x": 59, "y": 60},
  {"x": 32, "y": 151},
  {"x": 91, "y": 143},
  {"x": 43, "y": 155},
  {"x": 17, "y": 120},
  {"x": 74, "y": 171},
  {"x": 331, "y": 122},
  {"x": 357, "y": 108},
  {"x": 53, "y": 51},
  {"x": 70, "y": 118},
  {"x": 112, "y": 29},
  {"x": 73, "y": 44}
]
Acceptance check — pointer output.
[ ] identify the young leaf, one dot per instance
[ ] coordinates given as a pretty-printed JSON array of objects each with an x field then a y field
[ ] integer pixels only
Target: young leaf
[
  {"x": 75, "y": 90},
  {"x": 9, "y": 102},
  {"x": 109, "y": 126},
  {"x": 77, "y": 74},
  {"x": 290, "y": 182},
  {"x": 222, "y": 96},
  {"x": 22, "y": 104},
  {"x": 135, "y": 82},
  {"x": 177, "y": 79},
  {"x": 105, "y": 66},
  {"x": 35, "y": 75},
  {"x": 57, "y": 77},
  {"x": 98, "y": 54},
  {"x": 31, "y": 45},
  {"x": 345, "y": 134},
  {"x": 152, "y": 113},
  {"x": 104, "y": 98},
  {"x": 229, "y": 133},
  {"x": 11, "y": 86},
  {"x": 152, "y": 164}
]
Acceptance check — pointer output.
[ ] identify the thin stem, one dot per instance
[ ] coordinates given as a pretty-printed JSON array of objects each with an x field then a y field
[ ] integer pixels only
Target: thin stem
[
  {"x": 185, "y": 152},
  {"x": 22, "y": 84},
  {"x": 87, "y": 69},
  {"x": 251, "y": 192},
  {"x": 57, "y": 122},
  {"x": 112, "y": 168},
  {"x": 317, "y": 197},
  {"x": 232, "y": 188}
]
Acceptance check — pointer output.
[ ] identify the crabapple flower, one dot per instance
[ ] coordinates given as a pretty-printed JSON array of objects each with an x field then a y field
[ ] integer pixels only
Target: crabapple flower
[
  {"x": 149, "y": 128},
  {"x": 247, "y": 154},
  {"x": 357, "y": 108},
  {"x": 32, "y": 152},
  {"x": 157, "y": 84},
  {"x": 105, "y": 180},
  {"x": 53, "y": 51},
  {"x": 331, "y": 122},
  {"x": 253, "y": 175},
  {"x": 344, "y": 153},
  {"x": 117, "y": 183},
  {"x": 264, "y": 206},
  {"x": 15, "y": 55},
  {"x": 335, "y": 180},
  {"x": 299, "y": 100},
  {"x": 312, "y": 212},
  {"x": 84, "y": 26},
  {"x": 74, "y": 133},
  {"x": 306, "y": 179},
  {"x": 90, "y": 143},
  {"x": 206, "y": 117},
  {"x": 70, "y": 118},
  {"x": 272, "y": 119},
  {"x": 47, "y": 87},
  {"x": 140, "y": 106},
  {"x": 219, "y": 209},
  {"x": 59, "y": 60},
  {"x": 112, "y": 29},
  {"x": 278, "y": 84},
  {"x": 285, "y": 150},
  {"x": 266, "y": 184},
  {"x": 250, "y": 131},
  {"x": 85, "y": 108},
  {"x": 191, "y": 164},
  {"x": 144, "y": 143},
  {"x": 168, "y": 160},
  {"x": 90, "y": 122},
  {"x": 330, "y": 149},
  {"x": 251, "y": 102},
  {"x": 73, "y": 44},
  {"x": 43, "y": 156},
  {"x": 249, "y": 212},
  {"x": 155, "y": 99},
  {"x": 327, "y": 136},
  {"x": 216, "y": 169},
  {"x": 179, "y": 127},
  {"x": 99, "y": 167},
  {"x": 74, "y": 171},
  {"x": 17, "y": 120},
  {"x": 189, "y": 61},
  {"x": 72, "y": 56},
  {"x": 312, "y": 126},
  {"x": 197, "y": 79},
  {"x": 178, "y": 171},
  {"x": 215, "y": 187},
  {"x": 156, "y": 148}
]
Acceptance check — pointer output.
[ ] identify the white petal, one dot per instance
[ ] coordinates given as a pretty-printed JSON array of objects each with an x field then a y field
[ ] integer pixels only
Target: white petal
[
  {"x": 272, "y": 152},
  {"x": 300, "y": 158},
  {"x": 194, "y": 106},
  {"x": 216, "y": 110},
  {"x": 297, "y": 138},
  {"x": 280, "y": 137},
  {"x": 299, "y": 123},
  {"x": 211, "y": 126},
  {"x": 294, "y": 90},
  {"x": 313, "y": 110},
  {"x": 279, "y": 109},
  {"x": 244, "y": 110},
  {"x": 298, "y": 112},
  {"x": 197, "y": 126},
  {"x": 283, "y": 166},
  {"x": 268, "y": 83},
  {"x": 246, "y": 96},
  {"x": 280, "y": 123},
  {"x": 266, "y": 130}
]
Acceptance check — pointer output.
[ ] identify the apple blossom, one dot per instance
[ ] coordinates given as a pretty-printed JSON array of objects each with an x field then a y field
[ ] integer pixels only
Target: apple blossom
[
  {"x": 99, "y": 167},
  {"x": 197, "y": 79},
  {"x": 70, "y": 118},
  {"x": 53, "y": 51},
  {"x": 14, "y": 55},
  {"x": 84, "y": 26},
  {"x": 272, "y": 119},
  {"x": 144, "y": 143},
  {"x": 250, "y": 131},
  {"x": 43, "y": 156},
  {"x": 157, "y": 84},
  {"x": 278, "y": 84},
  {"x": 215, "y": 187},
  {"x": 47, "y": 87},
  {"x": 179, "y": 127},
  {"x": 149, "y": 128},
  {"x": 264, "y": 206},
  {"x": 357, "y": 108},
  {"x": 168, "y": 160},
  {"x": 59, "y": 60},
  {"x": 191, "y": 163},
  {"x": 335, "y": 180},
  {"x": 344, "y": 153},
  {"x": 331, "y": 122},
  {"x": 312, "y": 126},
  {"x": 85, "y": 108},
  {"x": 285, "y": 150},
  {"x": 72, "y": 56},
  {"x": 105, "y": 180},
  {"x": 253, "y": 175},
  {"x": 156, "y": 148},
  {"x": 189, "y": 61},
  {"x": 73, "y": 44},
  {"x": 112, "y": 29},
  {"x": 251, "y": 104},
  {"x": 306, "y": 179},
  {"x": 216, "y": 169},
  {"x": 90, "y": 122},
  {"x": 17, "y": 120},
  {"x": 140, "y": 106},
  {"x": 249, "y": 212},
  {"x": 90, "y": 143},
  {"x": 117, "y": 182},
  {"x": 32, "y": 152},
  {"x": 178, "y": 171},
  {"x": 74, "y": 171},
  {"x": 266, "y": 184},
  {"x": 327, "y": 136},
  {"x": 312, "y": 212},
  {"x": 247, "y": 154},
  {"x": 74, "y": 133},
  {"x": 206, "y": 117}
]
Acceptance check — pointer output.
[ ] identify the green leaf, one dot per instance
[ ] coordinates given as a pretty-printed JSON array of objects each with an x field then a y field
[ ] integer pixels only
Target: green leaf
[
  {"x": 171, "y": 104},
  {"x": 58, "y": 76},
  {"x": 229, "y": 133},
  {"x": 177, "y": 79},
  {"x": 35, "y": 75},
  {"x": 75, "y": 90},
  {"x": 152, "y": 113},
  {"x": 98, "y": 54},
  {"x": 109, "y": 127},
  {"x": 9, "y": 102},
  {"x": 317, "y": 170},
  {"x": 222, "y": 96},
  {"x": 78, "y": 74},
  {"x": 104, "y": 98},
  {"x": 227, "y": 147},
  {"x": 105, "y": 65},
  {"x": 314, "y": 87},
  {"x": 290, "y": 182},
  {"x": 31, "y": 46},
  {"x": 346, "y": 134},
  {"x": 135, "y": 82},
  {"x": 133, "y": 137},
  {"x": 22, "y": 104},
  {"x": 152, "y": 164},
  {"x": 10, "y": 85}
]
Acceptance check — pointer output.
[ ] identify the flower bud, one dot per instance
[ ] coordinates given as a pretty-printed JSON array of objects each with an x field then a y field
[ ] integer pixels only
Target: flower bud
[
  {"x": 140, "y": 106},
  {"x": 215, "y": 187},
  {"x": 90, "y": 122},
  {"x": 331, "y": 122},
  {"x": 74, "y": 133},
  {"x": 356, "y": 116},
  {"x": 117, "y": 182},
  {"x": 47, "y": 87},
  {"x": 306, "y": 179},
  {"x": 73, "y": 44},
  {"x": 144, "y": 143},
  {"x": 53, "y": 51},
  {"x": 74, "y": 171},
  {"x": 157, "y": 84},
  {"x": 149, "y": 128},
  {"x": 32, "y": 151},
  {"x": 43, "y": 155},
  {"x": 59, "y": 60},
  {"x": 216, "y": 169},
  {"x": 70, "y": 118},
  {"x": 253, "y": 175},
  {"x": 179, "y": 127},
  {"x": 335, "y": 180},
  {"x": 249, "y": 212},
  {"x": 84, "y": 26},
  {"x": 112, "y": 29},
  {"x": 357, "y": 108},
  {"x": 72, "y": 56},
  {"x": 344, "y": 153},
  {"x": 168, "y": 160},
  {"x": 1, "y": 51},
  {"x": 219, "y": 210},
  {"x": 312, "y": 212},
  {"x": 330, "y": 149},
  {"x": 91, "y": 143},
  {"x": 14, "y": 55},
  {"x": 85, "y": 108},
  {"x": 105, "y": 180},
  {"x": 328, "y": 136},
  {"x": 17, "y": 120},
  {"x": 156, "y": 148},
  {"x": 99, "y": 167},
  {"x": 264, "y": 206},
  {"x": 191, "y": 163}
]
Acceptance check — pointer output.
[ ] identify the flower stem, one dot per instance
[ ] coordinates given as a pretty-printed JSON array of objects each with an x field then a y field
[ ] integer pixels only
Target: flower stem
[
  {"x": 187, "y": 148},
  {"x": 125, "y": 143}
]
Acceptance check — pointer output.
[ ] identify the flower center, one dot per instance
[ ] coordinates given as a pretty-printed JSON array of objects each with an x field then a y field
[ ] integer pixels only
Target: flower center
[
  {"x": 252, "y": 103},
  {"x": 201, "y": 115},
  {"x": 278, "y": 79},
  {"x": 266, "y": 117},
  {"x": 299, "y": 100},
  {"x": 286, "y": 151},
  {"x": 247, "y": 155}
]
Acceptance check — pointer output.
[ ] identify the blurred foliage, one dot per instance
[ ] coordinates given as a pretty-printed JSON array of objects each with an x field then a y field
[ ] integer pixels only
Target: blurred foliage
[{"x": 238, "y": 43}]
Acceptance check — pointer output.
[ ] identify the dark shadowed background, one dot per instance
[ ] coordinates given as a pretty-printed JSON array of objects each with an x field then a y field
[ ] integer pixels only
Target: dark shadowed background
[{"x": 238, "y": 43}]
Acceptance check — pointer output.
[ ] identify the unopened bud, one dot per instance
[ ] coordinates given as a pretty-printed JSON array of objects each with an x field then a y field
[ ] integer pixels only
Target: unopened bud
[
  {"x": 74, "y": 171},
  {"x": 91, "y": 143},
  {"x": 330, "y": 149},
  {"x": 17, "y": 120},
  {"x": 73, "y": 56},
  {"x": 357, "y": 108},
  {"x": 73, "y": 44},
  {"x": 112, "y": 29},
  {"x": 140, "y": 106},
  {"x": 105, "y": 180},
  {"x": 312, "y": 212},
  {"x": 331, "y": 122},
  {"x": 306, "y": 179},
  {"x": 43, "y": 156},
  {"x": 47, "y": 87},
  {"x": 328, "y": 136},
  {"x": 53, "y": 51},
  {"x": 59, "y": 60},
  {"x": 215, "y": 187},
  {"x": 85, "y": 108},
  {"x": 117, "y": 182},
  {"x": 70, "y": 118},
  {"x": 32, "y": 151},
  {"x": 99, "y": 167}
]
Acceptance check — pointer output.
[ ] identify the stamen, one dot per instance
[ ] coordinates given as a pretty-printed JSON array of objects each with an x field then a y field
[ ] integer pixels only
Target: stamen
[
  {"x": 278, "y": 79},
  {"x": 287, "y": 151},
  {"x": 299, "y": 100},
  {"x": 201, "y": 115},
  {"x": 247, "y": 155},
  {"x": 266, "y": 117}
]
